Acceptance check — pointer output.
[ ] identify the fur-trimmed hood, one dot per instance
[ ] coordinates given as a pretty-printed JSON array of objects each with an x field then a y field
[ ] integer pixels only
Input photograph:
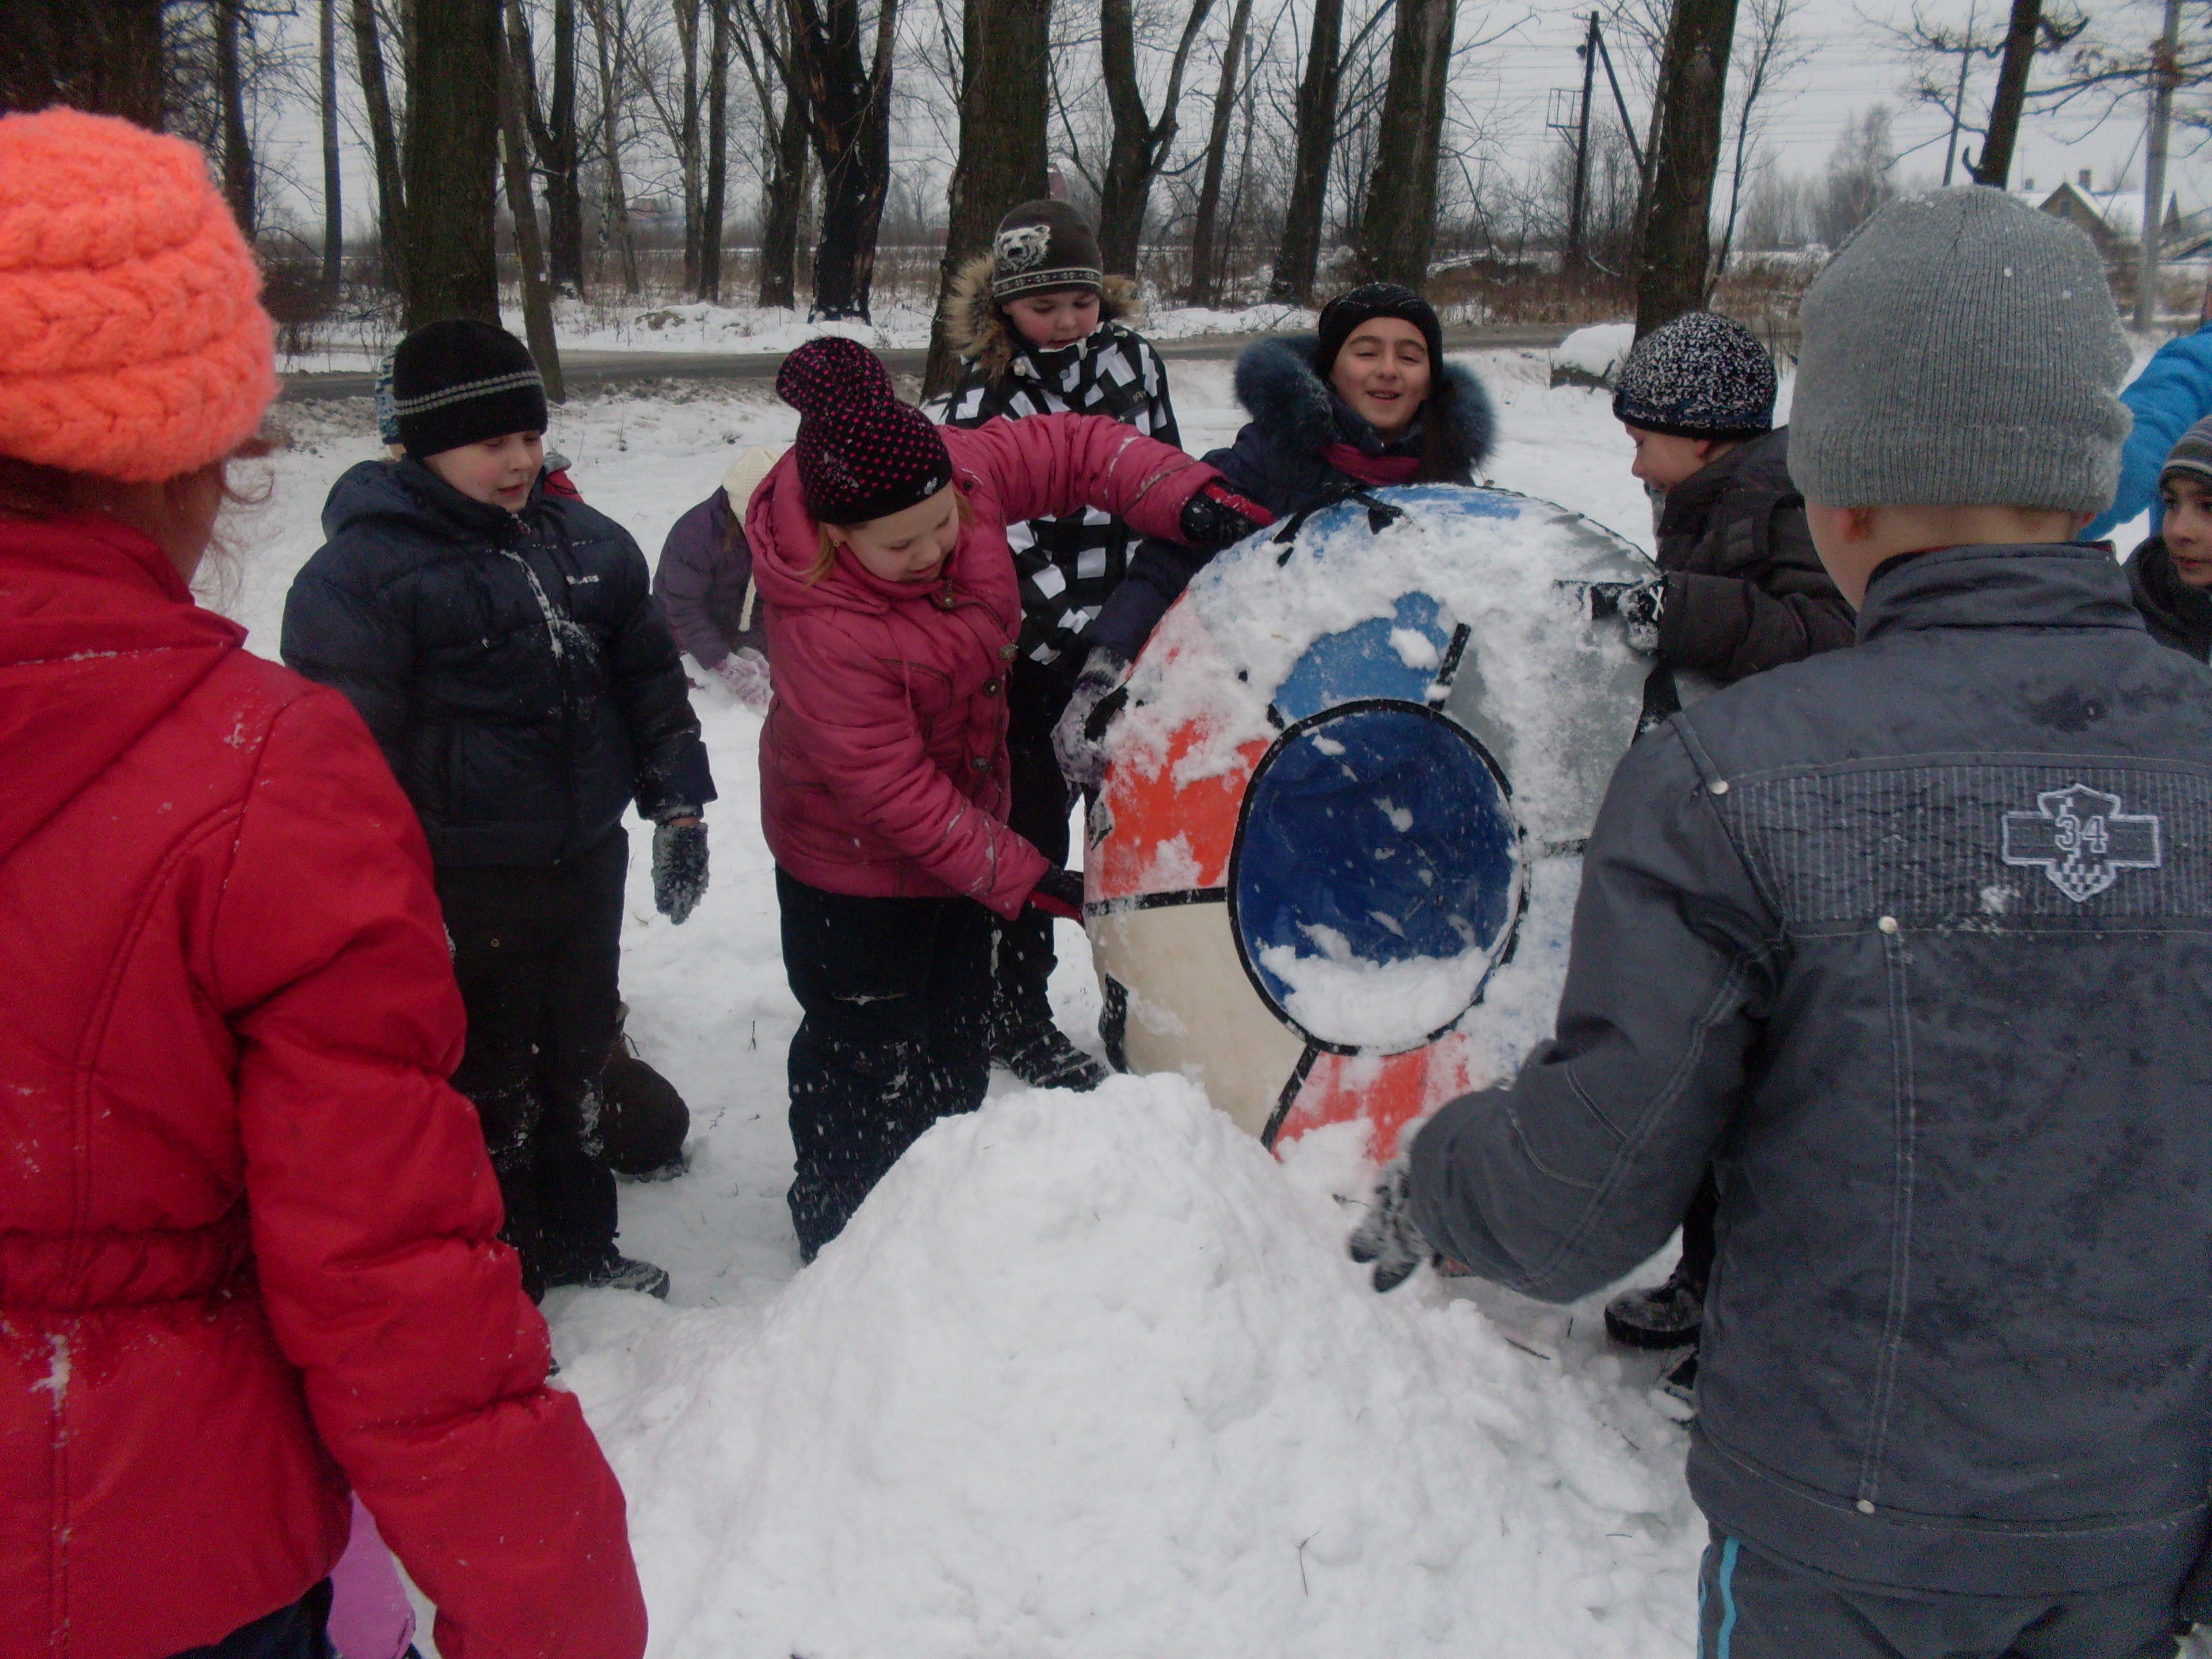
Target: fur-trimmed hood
[
  {"x": 979, "y": 331},
  {"x": 1277, "y": 383}
]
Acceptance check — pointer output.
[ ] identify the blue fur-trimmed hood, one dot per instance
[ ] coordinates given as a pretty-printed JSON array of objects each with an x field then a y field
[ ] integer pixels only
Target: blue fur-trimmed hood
[{"x": 1276, "y": 383}]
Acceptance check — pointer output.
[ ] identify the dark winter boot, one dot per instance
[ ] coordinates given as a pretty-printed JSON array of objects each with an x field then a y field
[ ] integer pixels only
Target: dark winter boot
[
  {"x": 1665, "y": 1316},
  {"x": 614, "y": 1272},
  {"x": 1675, "y": 1394},
  {"x": 642, "y": 1120},
  {"x": 1024, "y": 1040}
]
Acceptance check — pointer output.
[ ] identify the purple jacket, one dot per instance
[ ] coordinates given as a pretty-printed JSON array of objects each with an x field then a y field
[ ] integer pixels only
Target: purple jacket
[{"x": 703, "y": 582}]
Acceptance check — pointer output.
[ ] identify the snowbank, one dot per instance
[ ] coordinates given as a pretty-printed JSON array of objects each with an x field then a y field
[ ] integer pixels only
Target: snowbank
[
  {"x": 1088, "y": 1376},
  {"x": 1589, "y": 356}
]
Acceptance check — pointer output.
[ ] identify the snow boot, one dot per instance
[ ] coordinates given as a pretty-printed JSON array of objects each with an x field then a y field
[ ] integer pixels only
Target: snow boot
[
  {"x": 1024, "y": 1040},
  {"x": 616, "y": 1273},
  {"x": 1675, "y": 1394},
  {"x": 642, "y": 1120},
  {"x": 1664, "y": 1316}
]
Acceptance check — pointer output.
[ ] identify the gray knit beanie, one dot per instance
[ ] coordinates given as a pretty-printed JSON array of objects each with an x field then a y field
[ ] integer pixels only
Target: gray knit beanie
[{"x": 1962, "y": 349}]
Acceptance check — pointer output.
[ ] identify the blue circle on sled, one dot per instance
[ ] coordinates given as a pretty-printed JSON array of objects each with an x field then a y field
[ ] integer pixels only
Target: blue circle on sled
[{"x": 1380, "y": 832}]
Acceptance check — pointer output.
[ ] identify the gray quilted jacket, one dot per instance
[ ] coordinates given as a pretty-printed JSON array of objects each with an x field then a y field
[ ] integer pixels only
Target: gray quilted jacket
[{"x": 1914, "y": 943}]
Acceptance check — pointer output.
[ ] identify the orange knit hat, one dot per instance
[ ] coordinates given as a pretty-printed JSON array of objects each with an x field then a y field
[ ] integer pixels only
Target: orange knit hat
[{"x": 132, "y": 341}]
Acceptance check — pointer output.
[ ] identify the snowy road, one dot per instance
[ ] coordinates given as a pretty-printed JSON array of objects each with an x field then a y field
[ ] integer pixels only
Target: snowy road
[{"x": 1090, "y": 1376}]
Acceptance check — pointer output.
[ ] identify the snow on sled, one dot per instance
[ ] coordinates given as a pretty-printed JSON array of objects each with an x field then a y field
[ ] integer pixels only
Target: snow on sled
[{"x": 1332, "y": 869}]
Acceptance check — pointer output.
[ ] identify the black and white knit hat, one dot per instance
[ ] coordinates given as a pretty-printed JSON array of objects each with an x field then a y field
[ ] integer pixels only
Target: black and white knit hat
[
  {"x": 1700, "y": 376},
  {"x": 459, "y": 382},
  {"x": 1042, "y": 245}
]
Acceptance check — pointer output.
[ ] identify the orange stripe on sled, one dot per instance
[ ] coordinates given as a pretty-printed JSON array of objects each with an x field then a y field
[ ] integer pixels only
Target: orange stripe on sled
[
  {"x": 1387, "y": 1091},
  {"x": 1150, "y": 811}
]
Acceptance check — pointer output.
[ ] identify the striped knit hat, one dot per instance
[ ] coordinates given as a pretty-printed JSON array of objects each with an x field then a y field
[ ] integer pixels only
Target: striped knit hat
[
  {"x": 460, "y": 381},
  {"x": 2192, "y": 455}
]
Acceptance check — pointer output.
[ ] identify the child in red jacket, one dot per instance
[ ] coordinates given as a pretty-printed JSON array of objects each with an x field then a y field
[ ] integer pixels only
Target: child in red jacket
[{"x": 879, "y": 544}]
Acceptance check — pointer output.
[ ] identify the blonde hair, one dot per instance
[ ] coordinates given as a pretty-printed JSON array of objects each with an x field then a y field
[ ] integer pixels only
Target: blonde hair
[{"x": 825, "y": 550}]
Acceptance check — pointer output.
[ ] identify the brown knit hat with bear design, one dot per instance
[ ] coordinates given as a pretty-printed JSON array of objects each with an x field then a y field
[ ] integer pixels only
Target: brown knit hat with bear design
[{"x": 1042, "y": 245}]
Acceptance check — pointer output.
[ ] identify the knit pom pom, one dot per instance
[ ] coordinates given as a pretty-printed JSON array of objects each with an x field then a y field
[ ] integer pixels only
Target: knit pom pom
[{"x": 831, "y": 374}]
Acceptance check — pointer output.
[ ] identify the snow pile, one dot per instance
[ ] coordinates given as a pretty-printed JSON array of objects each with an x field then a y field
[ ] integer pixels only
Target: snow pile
[
  {"x": 1088, "y": 1376},
  {"x": 1590, "y": 357},
  {"x": 1386, "y": 1006}
]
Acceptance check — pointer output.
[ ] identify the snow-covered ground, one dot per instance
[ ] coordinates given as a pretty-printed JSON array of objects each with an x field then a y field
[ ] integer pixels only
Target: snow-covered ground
[{"x": 1090, "y": 1375}]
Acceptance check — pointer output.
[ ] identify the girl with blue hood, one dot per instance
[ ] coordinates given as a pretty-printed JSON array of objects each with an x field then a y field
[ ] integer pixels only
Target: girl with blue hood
[{"x": 1368, "y": 400}]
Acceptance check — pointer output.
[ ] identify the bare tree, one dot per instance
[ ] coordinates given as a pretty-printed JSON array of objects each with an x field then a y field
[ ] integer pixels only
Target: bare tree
[
  {"x": 529, "y": 252},
  {"x": 326, "y": 87},
  {"x": 1202, "y": 254},
  {"x": 1138, "y": 146},
  {"x": 1298, "y": 257},
  {"x": 1858, "y": 180},
  {"x": 103, "y": 55},
  {"x": 689, "y": 157},
  {"x": 1944, "y": 55},
  {"x": 761, "y": 43},
  {"x": 714, "y": 209},
  {"x": 238, "y": 171},
  {"x": 610, "y": 40},
  {"x": 1397, "y": 228},
  {"x": 383, "y": 142},
  {"x": 848, "y": 99},
  {"x": 1771, "y": 52},
  {"x": 452, "y": 151},
  {"x": 1994, "y": 165},
  {"x": 1003, "y": 154},
  {"x": 1676, "y": 241}
]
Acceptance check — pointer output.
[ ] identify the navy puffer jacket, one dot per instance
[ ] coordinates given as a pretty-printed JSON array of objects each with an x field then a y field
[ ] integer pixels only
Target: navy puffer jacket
[
  {"x": 1277, "y": 461},
  {"x": 513, "y": 666}
]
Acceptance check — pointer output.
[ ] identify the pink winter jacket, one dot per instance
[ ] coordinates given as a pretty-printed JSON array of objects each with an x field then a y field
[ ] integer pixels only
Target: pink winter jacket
[{"x": 883, "y": 764}]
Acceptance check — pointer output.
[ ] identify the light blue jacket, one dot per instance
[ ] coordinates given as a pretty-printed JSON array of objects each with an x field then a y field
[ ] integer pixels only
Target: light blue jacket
[{"x": 2172, "y": 393}]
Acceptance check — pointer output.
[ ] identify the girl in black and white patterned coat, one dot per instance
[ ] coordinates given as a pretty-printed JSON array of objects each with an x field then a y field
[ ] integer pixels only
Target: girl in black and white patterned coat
[{"x": 1042, "y": 330}]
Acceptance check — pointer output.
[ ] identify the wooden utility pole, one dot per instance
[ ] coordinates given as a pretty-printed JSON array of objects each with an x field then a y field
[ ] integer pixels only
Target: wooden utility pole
[
  {"x": 529, "y": 249},
  {"x": 1676, "y": 243},
  {"x": 1298, "y": 256},
  {"x": 1004, "y": 156},
  {"x": 452, "y": 267},
  {"x": 2163, "y": 80},
  {"x": 1398, "y": 225},
  {"x": 1994, "y": 165},
  {"x": 1577, "y": 256}
]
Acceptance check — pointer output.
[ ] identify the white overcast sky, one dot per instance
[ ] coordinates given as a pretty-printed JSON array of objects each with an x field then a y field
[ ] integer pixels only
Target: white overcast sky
[{"x": 1850, "y": 64}]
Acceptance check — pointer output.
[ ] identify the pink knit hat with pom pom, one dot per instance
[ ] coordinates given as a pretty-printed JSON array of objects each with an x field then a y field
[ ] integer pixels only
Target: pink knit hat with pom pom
[{"x": 132, "y": 341}]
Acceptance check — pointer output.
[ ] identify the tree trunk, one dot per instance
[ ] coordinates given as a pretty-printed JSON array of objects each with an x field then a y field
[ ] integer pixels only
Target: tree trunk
[
  {"x": 1202, "y": 274},
  {"x": 1004, "y": 152},
  {"x": 453, "y": 151},
  {"x": 1676, "y": 245},
  {"x": 1994, "y": 165},
  {"x": 529, "y": 251},
  {"x": 1298, "y": 256},
  {"x": 1398, "y": 224},
  {"x": 101, "y": 55},
  {"x": 718, "y": 161},
  {"x": 384, "y": 144},
  {"x": 687, "y": 138},
  {"x": 230, "y": 95},
  {"x": 607, "y": 37},
  {"x": 1138, "y": 145},
  {"x": 782, "y": 201},
  {"x": 849, "y": 106},
  {"x": 333, "y": 200},
  {"x": 564, "y": 174}
]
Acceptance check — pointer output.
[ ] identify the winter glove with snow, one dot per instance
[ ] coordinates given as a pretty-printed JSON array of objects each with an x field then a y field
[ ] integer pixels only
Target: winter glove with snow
[
  {"x": 1217, "y": 517},
  {"x": 1639, "y": 605},
  {"x": 1079, "y": 742},
  {"x": 1060, "y": 893},
  {"x": 1389, "y": 1237},
  {"x": 679, "y": 868},
  {"x": 745, "y": 671}
]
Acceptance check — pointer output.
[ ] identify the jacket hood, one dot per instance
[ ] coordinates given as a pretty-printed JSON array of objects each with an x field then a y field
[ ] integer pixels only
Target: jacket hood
[
  {"x": 979, "y": 331},
  {"x": 2052, "y": 584},
  {"x": 409, "y": 493},
  {"x": 1277, "y": 383},
  {"x": 99, "y": 639},
  {"x": 785, "y": 537}
]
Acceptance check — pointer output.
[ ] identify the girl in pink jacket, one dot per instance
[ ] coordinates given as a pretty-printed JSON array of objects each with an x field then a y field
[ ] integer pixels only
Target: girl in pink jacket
[{"x": 880, "y": 546}]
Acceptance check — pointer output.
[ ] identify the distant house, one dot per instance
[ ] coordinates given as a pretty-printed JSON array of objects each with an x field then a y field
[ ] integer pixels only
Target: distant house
[{"x": 2112, "y": 219}]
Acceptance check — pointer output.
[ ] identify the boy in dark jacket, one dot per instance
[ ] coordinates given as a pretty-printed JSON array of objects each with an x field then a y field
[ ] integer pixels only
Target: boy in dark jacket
[
  {"x": 502, "y": 644},
  {"x": 704, "y": 582},
  {"x": 2171, "y": 572},
  {"x": 1743, "y": 590},
  {"x": 1042, "y": 329},
  {"x": 1911, "y": 945}
]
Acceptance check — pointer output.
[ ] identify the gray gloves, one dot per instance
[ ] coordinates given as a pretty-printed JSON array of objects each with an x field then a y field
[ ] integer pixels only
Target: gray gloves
[
  {"x": 1639, "y": 605},
  {"x": 1390, "y": 1236},
  {"x": 679, "y": 868},
  {"x": 1079, "y": 742}
]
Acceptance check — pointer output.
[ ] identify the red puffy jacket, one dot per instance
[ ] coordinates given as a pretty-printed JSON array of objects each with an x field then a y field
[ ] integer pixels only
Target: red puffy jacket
[
  {"x": 248, "y": 1248},
  {"x": 884, "y": 763}
]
